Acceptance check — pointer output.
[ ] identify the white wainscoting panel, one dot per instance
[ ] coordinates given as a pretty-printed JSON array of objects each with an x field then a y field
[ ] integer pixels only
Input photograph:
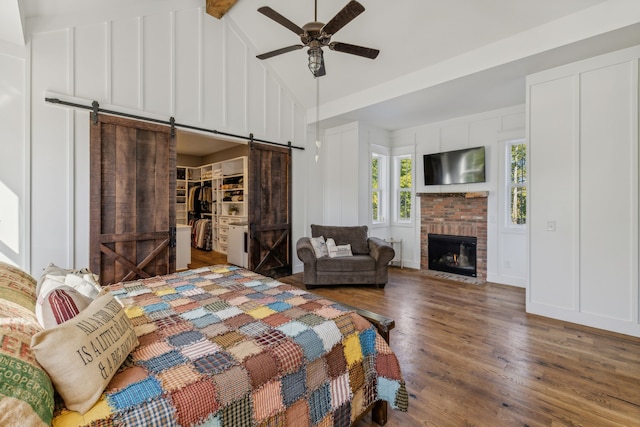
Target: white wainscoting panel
[
  {"x": 90, "y": 50},
  {"x": 126, "y": 65},
  {"x": 608, "y": 202},
  {"x": 52, "y": 189},
  {"x": 14, "y": 173},
  {"x": 188, "y": 50},
  {"x": 584, "y": 207},
  {"x": 553, "y": 167},
  {"x": 157, "y": 63}
]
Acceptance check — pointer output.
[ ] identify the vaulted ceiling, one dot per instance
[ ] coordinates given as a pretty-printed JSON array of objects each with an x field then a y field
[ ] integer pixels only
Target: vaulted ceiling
[{"x": 438, "y": 59}]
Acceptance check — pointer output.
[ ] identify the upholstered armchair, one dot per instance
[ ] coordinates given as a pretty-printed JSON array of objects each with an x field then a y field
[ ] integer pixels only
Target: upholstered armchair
[{"x": 357, "y": 259}]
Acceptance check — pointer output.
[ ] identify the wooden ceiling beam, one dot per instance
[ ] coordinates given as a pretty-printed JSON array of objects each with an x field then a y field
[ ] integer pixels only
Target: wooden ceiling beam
[{"x": 217, "y": 8}]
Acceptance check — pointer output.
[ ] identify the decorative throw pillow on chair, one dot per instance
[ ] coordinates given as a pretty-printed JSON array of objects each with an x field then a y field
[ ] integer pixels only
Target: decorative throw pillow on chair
[
  {"x": 319, "y": 246},
  {"x": 336, "y": 251}
]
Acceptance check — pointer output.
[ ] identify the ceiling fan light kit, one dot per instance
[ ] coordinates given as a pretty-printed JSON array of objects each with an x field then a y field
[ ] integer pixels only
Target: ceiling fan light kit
[
  {"x": 316, "y": 35},
  {"x": 315, "y": 60}
]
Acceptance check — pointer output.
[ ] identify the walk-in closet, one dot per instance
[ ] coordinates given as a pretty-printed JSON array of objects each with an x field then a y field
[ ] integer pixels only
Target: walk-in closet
[{"x": 211, "y": 200}]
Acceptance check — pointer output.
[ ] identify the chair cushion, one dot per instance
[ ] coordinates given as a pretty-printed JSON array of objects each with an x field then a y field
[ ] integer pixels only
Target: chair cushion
[
  {"x": 356, "y": 236},
  {"x": 346, "y": 264}
]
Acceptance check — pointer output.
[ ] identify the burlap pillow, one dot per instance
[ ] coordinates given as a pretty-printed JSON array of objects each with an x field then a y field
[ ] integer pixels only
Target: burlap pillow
[
  {"x": 17, "y": 286},
  {"x": 82, "y": 354},
  {"x": 26, "y": 393}
]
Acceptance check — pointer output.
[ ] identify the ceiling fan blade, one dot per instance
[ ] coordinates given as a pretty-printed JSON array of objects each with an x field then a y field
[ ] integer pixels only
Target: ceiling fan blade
[
  {"x": 342, "y": 18},
  {"x": 270, "y": 13},
  {"x": 366, "y": 52},
  {"x": 279, "y": 51}
]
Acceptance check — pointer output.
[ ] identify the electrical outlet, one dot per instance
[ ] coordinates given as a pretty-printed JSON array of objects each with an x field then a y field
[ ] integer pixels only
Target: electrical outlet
[{"x": 551, "y": 226}]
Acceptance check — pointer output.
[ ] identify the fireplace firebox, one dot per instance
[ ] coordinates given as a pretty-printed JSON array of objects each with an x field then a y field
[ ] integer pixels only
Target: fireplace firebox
[{"x": 452, "y": 254}]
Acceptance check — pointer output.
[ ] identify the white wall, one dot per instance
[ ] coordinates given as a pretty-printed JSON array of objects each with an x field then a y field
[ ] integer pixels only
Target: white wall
[
  {"x": 177, "y": 62},
  {"x": 488, "y": 129},
  {"x": 14, "y": 153},
  {"x": 584, "y": 192},
  {"x": 341, "y": 176}
]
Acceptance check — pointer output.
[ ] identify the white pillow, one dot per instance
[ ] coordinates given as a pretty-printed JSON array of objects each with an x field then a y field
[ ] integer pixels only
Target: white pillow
[
  {"x": 336, "y": 251},
  {"x": 85, "y": 283},
  {"x": 60, "y": 275},
  {"x": 319, "y": 246}
]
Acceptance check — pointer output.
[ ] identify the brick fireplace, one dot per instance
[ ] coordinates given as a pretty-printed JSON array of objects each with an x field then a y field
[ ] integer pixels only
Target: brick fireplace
[{"x": 457, "y": 214}]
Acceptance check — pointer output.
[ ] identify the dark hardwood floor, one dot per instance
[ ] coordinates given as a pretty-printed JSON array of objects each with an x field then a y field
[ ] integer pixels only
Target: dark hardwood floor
[{"x": 471, "y": 356}]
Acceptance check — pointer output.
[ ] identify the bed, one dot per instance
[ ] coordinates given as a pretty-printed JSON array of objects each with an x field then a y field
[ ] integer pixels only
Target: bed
[{"x": 224, "y": 346}]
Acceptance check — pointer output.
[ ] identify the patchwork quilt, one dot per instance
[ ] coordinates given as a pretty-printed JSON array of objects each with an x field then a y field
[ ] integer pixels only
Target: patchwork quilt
[{"x": 224, "y": 346}]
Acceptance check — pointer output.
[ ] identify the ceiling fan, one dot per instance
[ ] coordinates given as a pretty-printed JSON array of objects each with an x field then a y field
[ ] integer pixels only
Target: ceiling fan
[{"x": 316, "y": 35}]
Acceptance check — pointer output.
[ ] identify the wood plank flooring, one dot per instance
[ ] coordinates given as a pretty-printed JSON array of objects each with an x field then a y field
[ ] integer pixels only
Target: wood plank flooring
[
  {"x": 200, "y": 258},
  {"x": 471, "y": 356}
]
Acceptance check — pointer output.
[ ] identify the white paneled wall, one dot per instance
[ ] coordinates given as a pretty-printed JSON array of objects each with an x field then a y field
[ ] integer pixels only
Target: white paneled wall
[
  {"x": 14, "y": 166},
  {"x": 123, "y": 65},
  {"x": 346, "y": 175},
  {"x": 52, "y": 143},
  {"x": 181, "y": 63},
  {"x": 583, "y": 130},
  {"x": 341, "y": 176}
]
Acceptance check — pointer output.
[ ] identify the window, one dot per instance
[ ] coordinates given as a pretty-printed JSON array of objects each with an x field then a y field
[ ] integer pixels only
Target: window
[
  {"x": 517, "y": 182},
  {"x": 404, "y": 187},
  {"x": 378, "y": 187}
]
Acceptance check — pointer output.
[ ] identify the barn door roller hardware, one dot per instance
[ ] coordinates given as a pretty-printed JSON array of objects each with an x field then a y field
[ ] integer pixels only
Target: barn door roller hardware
[{"x": 95, "y": 109}]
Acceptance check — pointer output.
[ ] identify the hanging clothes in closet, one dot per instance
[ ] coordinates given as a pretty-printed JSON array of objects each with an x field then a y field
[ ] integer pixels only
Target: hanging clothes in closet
[
  {"x": 193, "y": 203},
  {"x": 201, "y": 234},
  {"x": 200, "y": 199}
]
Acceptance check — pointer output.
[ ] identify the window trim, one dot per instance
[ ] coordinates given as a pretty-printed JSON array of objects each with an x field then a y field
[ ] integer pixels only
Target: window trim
[
  {"x": 509, "y": 185},
  {"x": 383, "y": 185},
  {"x": 397, "y": 159}
]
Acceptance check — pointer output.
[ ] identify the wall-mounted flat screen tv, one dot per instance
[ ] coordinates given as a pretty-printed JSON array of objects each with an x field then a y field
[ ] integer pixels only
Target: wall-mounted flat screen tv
[{"x": 455, "y": 167}]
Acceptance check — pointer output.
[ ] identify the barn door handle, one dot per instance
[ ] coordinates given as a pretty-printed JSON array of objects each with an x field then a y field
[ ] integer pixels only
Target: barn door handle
[{"x": 172, "y": 237}]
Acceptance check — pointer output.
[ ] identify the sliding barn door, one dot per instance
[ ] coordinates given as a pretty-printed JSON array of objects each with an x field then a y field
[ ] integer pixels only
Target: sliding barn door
[
  {"x": 270, "y": 210},
  {"x": 133, "y": 168}
]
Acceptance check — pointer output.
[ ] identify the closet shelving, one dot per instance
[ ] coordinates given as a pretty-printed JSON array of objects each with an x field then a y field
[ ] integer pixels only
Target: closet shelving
[
  {"x": 224, "y": 186},
  {"x": 231, "y": 197},
  {"x": 181, "y": 196}
]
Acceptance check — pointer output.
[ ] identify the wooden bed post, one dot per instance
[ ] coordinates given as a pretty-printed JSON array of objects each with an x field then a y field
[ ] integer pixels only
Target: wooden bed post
[{"x": 384, "y": 325}]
